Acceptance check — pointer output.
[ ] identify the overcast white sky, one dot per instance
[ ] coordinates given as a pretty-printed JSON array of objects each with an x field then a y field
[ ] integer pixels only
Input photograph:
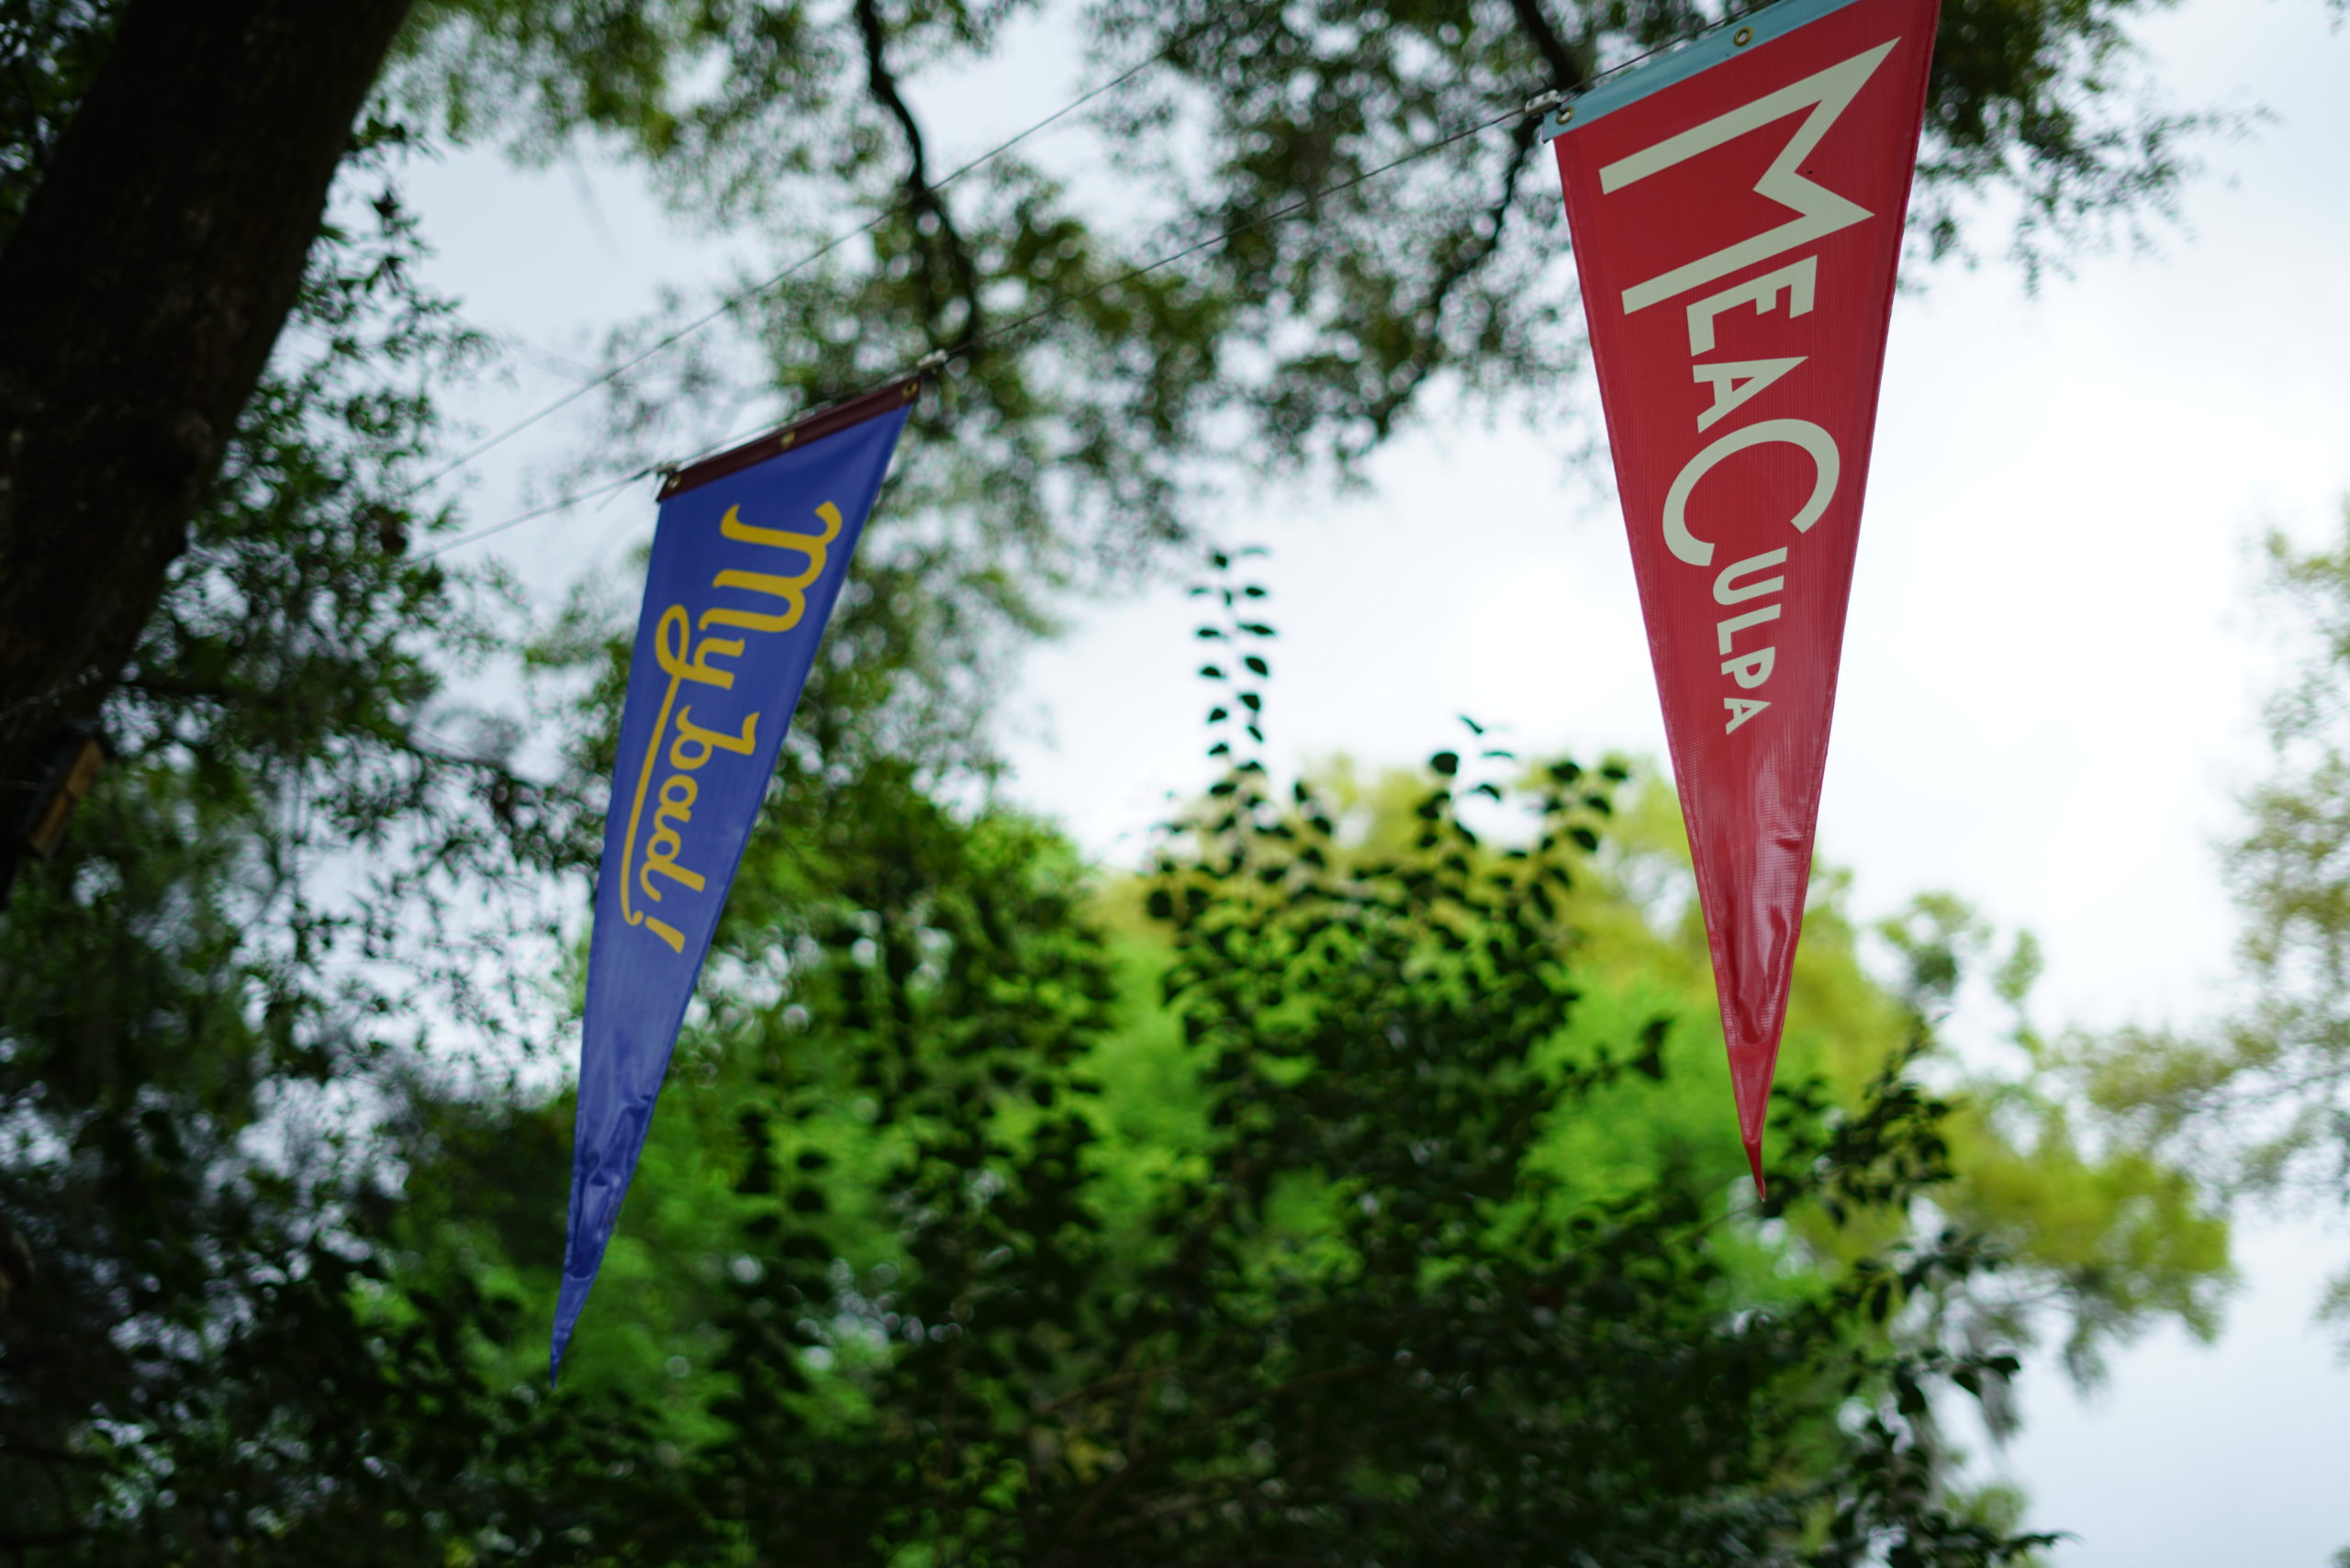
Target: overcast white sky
[{"x": 2049, "y": 672}]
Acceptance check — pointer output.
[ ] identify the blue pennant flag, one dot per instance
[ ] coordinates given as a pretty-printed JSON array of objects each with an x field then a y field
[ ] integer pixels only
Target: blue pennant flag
[{"x": 749, "y": 554}]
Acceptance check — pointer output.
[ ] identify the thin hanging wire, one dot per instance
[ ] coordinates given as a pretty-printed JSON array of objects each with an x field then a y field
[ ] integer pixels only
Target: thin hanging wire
[
  {"x": 1538, "y": 104},
  {"x": 519, "y": 519},
  {"x": 1541, "y": 103},
  {"x": 1052, "y": 307},
  {"x": 1336, "y": 187},
  {"x": 743, "y": 296}
]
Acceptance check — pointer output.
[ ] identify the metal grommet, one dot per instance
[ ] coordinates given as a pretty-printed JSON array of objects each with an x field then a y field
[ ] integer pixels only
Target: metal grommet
[
  {"x": 1743, "y": 37},
  {"x": 790, "y": 438},
  {"x": 1567, "y": 117}
]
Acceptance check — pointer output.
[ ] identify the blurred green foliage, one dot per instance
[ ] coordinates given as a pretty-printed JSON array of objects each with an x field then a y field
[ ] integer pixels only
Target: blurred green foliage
[
  {"x": 1104, "y": 406},
  {"x": 2258, "y": 1100},
  {"x": 1356, "y": 1179},
  {"x": 1356, "y": 1183}
]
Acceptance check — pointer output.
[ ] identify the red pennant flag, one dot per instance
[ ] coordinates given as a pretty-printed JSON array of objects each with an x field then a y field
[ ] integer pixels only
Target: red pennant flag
[{"x": 1737, "y": 211}]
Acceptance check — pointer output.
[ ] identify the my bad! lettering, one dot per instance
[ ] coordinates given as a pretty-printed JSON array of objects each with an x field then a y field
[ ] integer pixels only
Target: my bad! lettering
[{"x": 658, "y": 856}]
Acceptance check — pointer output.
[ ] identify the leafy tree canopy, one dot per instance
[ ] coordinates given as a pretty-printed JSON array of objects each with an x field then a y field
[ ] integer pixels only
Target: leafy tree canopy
[
  {"x": 2258, "y": 1100},
  {"x": 1338, "y": 1182},
  {"x": 1366, "y": 1188},
  {"x": 1091, "y": 399}
]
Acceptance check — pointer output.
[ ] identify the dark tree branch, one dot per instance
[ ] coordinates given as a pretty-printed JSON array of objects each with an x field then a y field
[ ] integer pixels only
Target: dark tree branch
[
  {"x": 1139, "y": 1462},
  {"x": 921, "y": 197},
  {"x": 50, "y": 1538},
  {"x": 140, "y": 297},
  {"x": 1570, "y": 64},
  {"x": 1465, "y": 262}
]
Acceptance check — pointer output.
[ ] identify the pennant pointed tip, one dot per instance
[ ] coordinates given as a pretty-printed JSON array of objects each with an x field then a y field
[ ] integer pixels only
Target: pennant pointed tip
[
  {"x": 1754, "y": 1163},
  {"x": 567, "y": 1315}
]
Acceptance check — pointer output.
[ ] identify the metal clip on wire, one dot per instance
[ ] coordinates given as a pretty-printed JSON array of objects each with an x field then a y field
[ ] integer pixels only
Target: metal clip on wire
[{"x": 1557, "y": 112}]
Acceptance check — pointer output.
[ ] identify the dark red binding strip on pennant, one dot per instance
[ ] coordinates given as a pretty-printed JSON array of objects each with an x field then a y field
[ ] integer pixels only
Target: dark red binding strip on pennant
[{"x": 815, "y": 427}]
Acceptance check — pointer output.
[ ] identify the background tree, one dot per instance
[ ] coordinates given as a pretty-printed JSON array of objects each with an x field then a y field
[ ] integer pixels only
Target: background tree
[
  {"x": 1312, "y": 308},
  {"x": 955, "y": 1236},
  {"x": 167, "y": 171},
  {"x": 2259, "y": 1100},
  {"x": 281, "y": 1171}
]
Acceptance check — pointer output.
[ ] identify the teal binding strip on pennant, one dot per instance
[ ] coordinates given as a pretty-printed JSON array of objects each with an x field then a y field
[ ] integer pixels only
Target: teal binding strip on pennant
[{"x": 1761, "y": 26}]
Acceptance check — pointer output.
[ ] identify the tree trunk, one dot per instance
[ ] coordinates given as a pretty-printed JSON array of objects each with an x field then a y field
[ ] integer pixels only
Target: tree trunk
[{"x": 140, "y": 297}]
